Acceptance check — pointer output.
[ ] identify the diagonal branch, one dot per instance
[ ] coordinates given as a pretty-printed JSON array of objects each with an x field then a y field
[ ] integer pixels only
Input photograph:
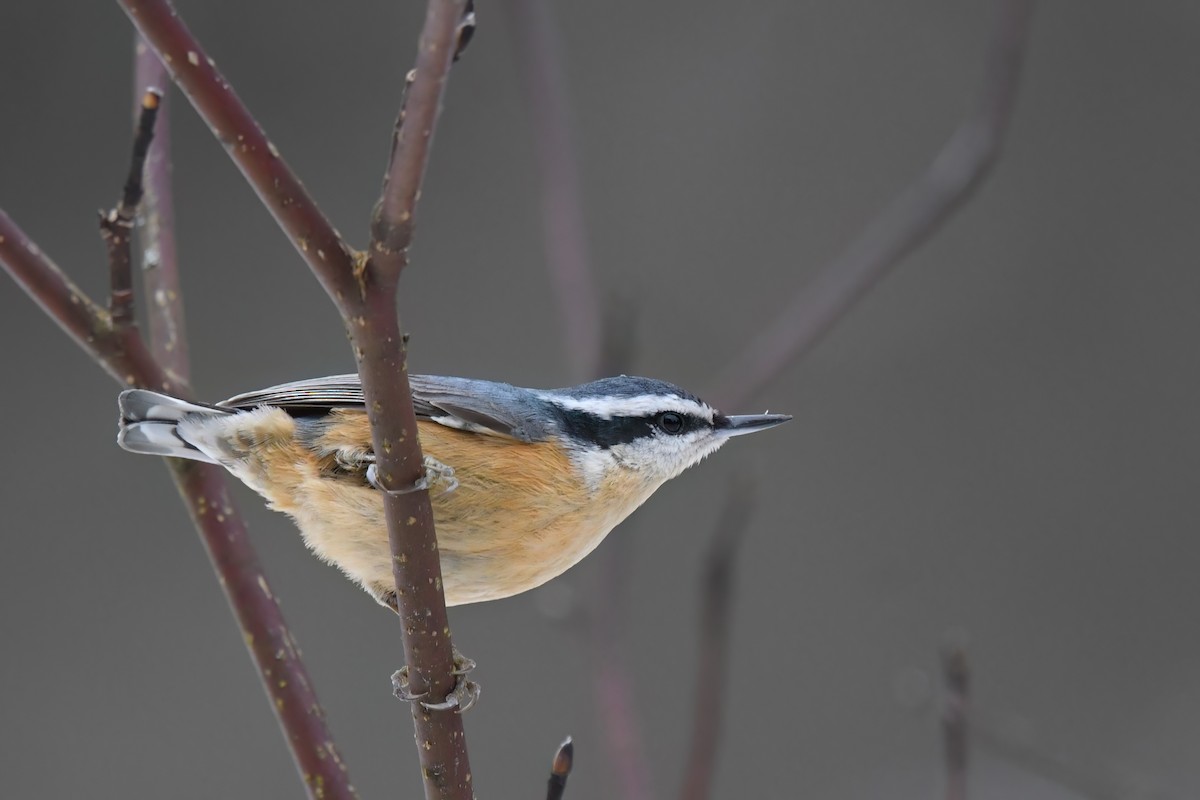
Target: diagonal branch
[
  {"x": 122, "y": 354},
  {"x": 363, "y": 287},
  {"x": 956, "y": 171},
  {"x": 239, "y": 133},
  {"x": 204, "y": 488},
  {"x": 156, "y": 221}
]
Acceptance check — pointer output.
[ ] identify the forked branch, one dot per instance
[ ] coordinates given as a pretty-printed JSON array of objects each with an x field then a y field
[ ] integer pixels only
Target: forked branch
[
  {"x": 123, "y": 353},
  {"x": 363, "y": 287}
]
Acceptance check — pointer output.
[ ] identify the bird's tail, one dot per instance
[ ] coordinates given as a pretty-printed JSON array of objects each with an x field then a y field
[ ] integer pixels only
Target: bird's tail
[{"x": 149, "y": 420}]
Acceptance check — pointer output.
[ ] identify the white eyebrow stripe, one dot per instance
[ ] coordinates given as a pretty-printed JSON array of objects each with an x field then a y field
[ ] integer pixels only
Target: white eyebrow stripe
[{"x": 637, "y": 406}]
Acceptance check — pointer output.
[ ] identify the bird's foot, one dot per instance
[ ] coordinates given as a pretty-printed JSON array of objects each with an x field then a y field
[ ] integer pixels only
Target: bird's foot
[
  {"x": 436, "y": 473},
  {"x": 464, "y": 694}
]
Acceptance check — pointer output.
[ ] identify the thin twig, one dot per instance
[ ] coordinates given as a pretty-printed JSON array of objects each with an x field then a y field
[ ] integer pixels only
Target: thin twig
[
  {"x": 121, "y": 353},
  {"x": 156, "y": 225},
  {"x": 712, "y": 660},
  {"x": 281, "y": 192},
  {"x": 543, "y": 81},
  {"x": 204, "y": 488},
  {"x": 364, "y": 287},
  {"x": 116, "y": 227},
  {"x": 956, "y": 171},
  {"x": 560, "y": 770},
  {"x": 956, "y": 679}
]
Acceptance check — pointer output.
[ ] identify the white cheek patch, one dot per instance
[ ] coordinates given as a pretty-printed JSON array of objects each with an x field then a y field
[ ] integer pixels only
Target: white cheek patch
[{"x": 664, "y": 457}]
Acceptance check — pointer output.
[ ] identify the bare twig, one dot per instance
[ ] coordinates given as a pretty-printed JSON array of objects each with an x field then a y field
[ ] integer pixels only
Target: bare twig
[
  {"x": 116, "y": 227},
  {"x": 560, "y": 770},
  {"x": 364, "y": 287},
  {"x": 121, "y": 353},
  {"x": 955, "y": 719},
  {"x": 712, "y": 660},
  {"x": 156, "y": 222},
  {"x": 236, "y": 129},
  {"x": 955, "y": 173},
  {"x": 204, "y": 488},
  {"x": 542, "y": 74}
]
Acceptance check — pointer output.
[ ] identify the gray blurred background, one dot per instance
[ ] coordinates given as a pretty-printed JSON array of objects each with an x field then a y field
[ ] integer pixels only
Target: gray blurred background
[{"x": 1001, "y": 441}]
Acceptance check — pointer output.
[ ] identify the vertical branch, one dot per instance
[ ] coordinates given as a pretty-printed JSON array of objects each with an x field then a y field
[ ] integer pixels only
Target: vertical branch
[
  {"x": 156, "y": 223},
  {"x": 364, "y": 288},
  {"x": 956, "y": 171},
  {"x": 203, "y": 487},
  {"x": 375, "y": 330},
  {"x": 542, "y": 77},
  {"x": 116, "y": 227},
  {"x": 712, "y": 678},
  {"x": 956, "y": 679}
]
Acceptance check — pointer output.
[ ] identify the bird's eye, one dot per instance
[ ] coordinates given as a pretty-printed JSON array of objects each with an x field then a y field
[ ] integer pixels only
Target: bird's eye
[{"x": 670, "y": 422}]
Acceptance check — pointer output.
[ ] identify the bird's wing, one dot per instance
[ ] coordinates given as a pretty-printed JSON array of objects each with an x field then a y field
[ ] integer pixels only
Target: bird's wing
[{"x": 462, "y": 403}]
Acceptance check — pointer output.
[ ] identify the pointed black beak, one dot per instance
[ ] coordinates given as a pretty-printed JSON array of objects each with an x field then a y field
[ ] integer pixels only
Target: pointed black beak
[{"x": 747, "y": 423}]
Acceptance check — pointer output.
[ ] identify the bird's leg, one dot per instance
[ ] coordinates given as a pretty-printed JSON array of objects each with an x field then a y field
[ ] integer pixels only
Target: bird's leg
[
  {"x": 435, "y": 473},
  {"x": 464, "y": 694}
]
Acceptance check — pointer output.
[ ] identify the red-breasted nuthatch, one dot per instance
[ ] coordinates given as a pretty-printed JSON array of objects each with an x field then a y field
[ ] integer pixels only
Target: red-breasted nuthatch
[{"x": 531, "y": 481}]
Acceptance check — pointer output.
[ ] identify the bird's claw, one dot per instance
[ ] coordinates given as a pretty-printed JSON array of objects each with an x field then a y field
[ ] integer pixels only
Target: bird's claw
[
  {"x": 464, "y": 694},
  {"x": 435, "y": 473}
]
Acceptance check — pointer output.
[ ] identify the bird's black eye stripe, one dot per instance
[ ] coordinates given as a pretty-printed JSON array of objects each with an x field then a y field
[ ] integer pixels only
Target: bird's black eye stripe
[{"x": 582, "y": 426}]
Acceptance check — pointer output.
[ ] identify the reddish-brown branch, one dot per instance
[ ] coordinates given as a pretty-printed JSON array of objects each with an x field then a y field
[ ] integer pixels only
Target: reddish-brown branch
[
  {"x": 205, "y": 492},
  {"x": 365, "y": 294},
  {"x": 204, "y": 487},
  {"x": 952, "y": 177},
  {"x": 375, "y": 330},
  {"x": 116, "y": 227},
  {"x": 956, "y": 679},
  {"x": 712, "y": 660},
  {"x": 392, "y": 223},
  {"x": 156, "y": 224},
  {"x": 121, "y": 353},
  {"x": 124, "y": 356},
  {"x": 277, "y": 186},
  {"x": 543, "y": 81}
]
